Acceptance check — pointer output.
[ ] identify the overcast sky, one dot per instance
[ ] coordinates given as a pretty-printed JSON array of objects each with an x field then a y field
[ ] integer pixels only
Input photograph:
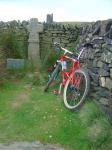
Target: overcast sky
[{"x": 63, "y": 10}]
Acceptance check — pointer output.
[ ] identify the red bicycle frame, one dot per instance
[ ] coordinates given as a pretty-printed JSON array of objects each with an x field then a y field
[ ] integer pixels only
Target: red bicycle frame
[{"x": 69, "y": 75}]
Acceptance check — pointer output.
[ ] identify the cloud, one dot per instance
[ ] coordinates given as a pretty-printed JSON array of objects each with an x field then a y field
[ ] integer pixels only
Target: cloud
[
  {"x": 12, "y": 11},
  {"x": 63, "y": 10}
]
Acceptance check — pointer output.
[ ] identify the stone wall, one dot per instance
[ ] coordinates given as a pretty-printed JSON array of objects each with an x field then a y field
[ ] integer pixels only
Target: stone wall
[
  {"x": 98, "y": 61},
  {"x": 65, "y": 34}
]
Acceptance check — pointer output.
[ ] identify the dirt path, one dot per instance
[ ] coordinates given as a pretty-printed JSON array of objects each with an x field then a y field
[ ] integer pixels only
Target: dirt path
[{"x": 29, "y": 146}]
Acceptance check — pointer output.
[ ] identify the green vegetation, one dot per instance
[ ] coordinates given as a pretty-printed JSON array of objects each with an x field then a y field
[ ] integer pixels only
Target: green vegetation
[
  {"x": 29, "y": 114},
  {"x": 12, "y": 45}
]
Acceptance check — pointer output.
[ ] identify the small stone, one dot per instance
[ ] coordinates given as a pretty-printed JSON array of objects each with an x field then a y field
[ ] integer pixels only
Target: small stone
[
  {"x": 107, "y": 47},
  {"x": 94, "y": 62},
  {"x": 104, "y": 101},
  {"x": 106, "y": 57},
  {"x": 108, "y": 83},
  {"x": 102, "y": 92},
  {"x": 103, "y": 73},
  {"x": 102, "y": 81},
  {"x": 97, "y": 48},
  {"x": 110, "y": 65},
  {"x": 100, "y": 64},
  {"x": 111, "y": 73}
]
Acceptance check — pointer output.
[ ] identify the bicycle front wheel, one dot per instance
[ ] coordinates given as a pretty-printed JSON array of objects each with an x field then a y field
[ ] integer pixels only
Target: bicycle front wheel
[{"x": 75, "y": 93}]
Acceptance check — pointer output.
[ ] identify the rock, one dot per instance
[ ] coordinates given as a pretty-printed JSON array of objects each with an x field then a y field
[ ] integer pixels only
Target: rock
[
  {"x": 104, "y": 101},
  {"x": 94, "y": 77},
  {"x": 107, "y": 47},
  {"x": 111, "y": 73},
  {"x": 97, "y": 48},
  {"x": 108, "y": 83},
  {"x": 97, "y": 40},
  {"x": 103, "y": 73},
  {"x": 95, "y": 63},
  {"x": 102, "y": 81},
  {"x": 99, "y": 64},
  {"x": 106, "y": 57},
  {"x": 110, "y": 65},
  {"x": 103, "y": 92},
  {"x": 108, "y": 41}
]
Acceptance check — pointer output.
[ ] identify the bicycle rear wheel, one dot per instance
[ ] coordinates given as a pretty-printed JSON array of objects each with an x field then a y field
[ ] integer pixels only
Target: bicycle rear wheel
[
  {"x": 75, "y": 94},
  {"x": 52, "y": 78}
]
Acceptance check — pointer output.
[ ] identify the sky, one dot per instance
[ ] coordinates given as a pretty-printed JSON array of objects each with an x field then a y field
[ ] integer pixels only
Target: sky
[{"x": 63, "y": 10}]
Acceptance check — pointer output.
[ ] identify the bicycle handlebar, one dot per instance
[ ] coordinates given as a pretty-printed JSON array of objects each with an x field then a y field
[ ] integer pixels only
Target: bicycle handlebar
[
  {"x": 84, "y": 46},
  {"x": 65, "y": 50}
]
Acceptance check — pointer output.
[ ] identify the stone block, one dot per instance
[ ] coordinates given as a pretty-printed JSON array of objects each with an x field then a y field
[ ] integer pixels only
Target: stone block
[
  {"x": 98, "y": 48},
  {"x": 99, "y": 64},
  {"x": 54, "y": 35},
  {"x": 102, "y": 92},
  {"x": 110, "y": 65},
  {"x": 103, "y": 73},
  {"x": 106, "y": 57},
  {"x": 104, "y": 101},
  {"x": 107, "y": 47},
  {"x": 111, "y": 73},
  {"x": 65, "y": 41},
  {"x": 95, "y": 63},
  {"x": 15, "y": 63},
  {"x": 108, "y": 83},
  {"x": 94, "y": 77},
  {"x": 56, "y": 39},
  {"x": 102, "y": 81}
]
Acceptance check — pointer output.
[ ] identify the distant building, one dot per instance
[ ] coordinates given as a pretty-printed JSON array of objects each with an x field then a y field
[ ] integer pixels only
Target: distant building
[{"x": 49, "y": 18}]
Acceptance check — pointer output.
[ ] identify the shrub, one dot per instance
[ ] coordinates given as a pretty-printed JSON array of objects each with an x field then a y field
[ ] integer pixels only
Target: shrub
[{"x": 12, "y": 47}]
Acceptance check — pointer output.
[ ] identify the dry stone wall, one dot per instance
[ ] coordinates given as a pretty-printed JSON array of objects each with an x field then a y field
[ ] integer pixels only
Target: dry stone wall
[
  {"x": 65, "y": 34},
  {"x": 98, "y": 61}
]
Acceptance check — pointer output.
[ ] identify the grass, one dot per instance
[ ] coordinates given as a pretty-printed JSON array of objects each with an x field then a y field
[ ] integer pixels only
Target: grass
[{"x": 29, "y": 114}]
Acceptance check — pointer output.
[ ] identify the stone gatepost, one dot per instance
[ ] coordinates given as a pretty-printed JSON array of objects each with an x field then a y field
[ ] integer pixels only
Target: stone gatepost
[{"x": 34, "y": 29}]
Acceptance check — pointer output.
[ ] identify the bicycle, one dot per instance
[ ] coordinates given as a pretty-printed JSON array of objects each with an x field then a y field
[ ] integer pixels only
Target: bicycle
[{"x": 76, "y": 82}]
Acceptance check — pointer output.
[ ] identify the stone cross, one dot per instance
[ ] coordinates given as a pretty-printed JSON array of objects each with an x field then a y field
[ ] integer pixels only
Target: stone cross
[{"x": 34, "y": 29}]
